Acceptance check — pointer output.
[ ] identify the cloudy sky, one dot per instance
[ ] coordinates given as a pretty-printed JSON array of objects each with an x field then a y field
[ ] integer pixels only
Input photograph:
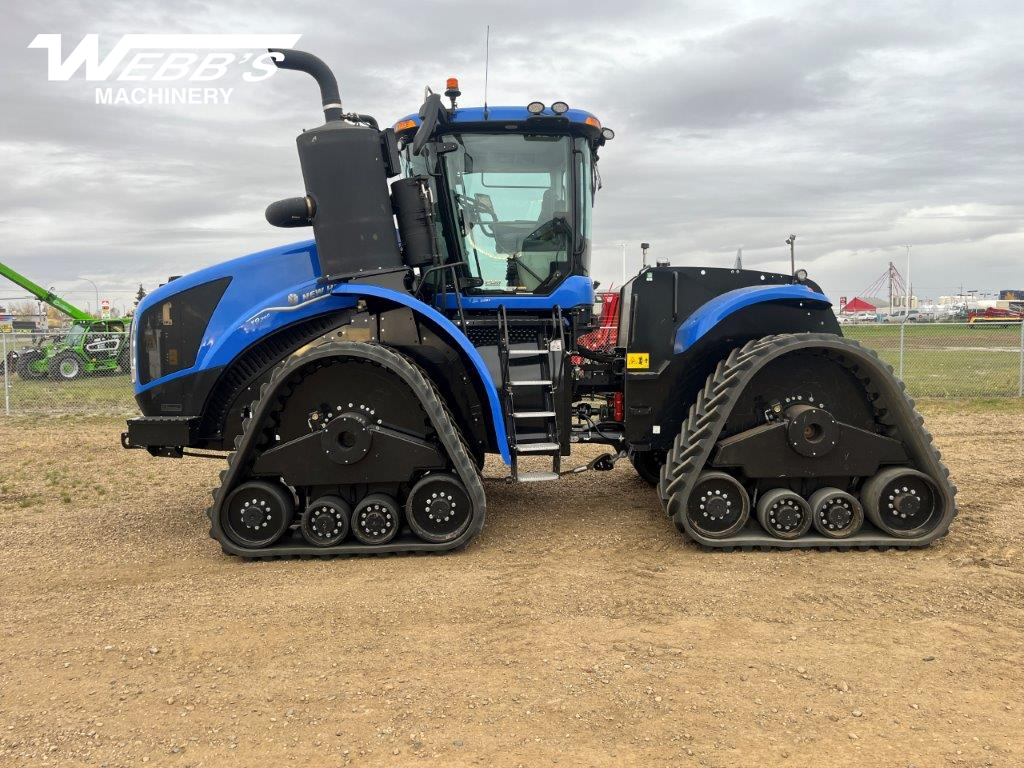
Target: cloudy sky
[{"x": 859, "y": 126}]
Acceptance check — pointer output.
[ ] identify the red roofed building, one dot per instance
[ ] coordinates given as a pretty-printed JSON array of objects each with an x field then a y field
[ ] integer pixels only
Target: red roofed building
[{"x": 864, "y": 304}]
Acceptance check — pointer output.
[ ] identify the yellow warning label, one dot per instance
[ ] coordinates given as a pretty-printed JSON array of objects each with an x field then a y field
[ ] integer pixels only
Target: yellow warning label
[{"x": 638, "y": 360}]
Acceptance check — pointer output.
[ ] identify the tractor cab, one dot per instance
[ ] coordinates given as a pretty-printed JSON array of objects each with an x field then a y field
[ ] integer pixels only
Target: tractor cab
[{"x": 511, "y": 191}]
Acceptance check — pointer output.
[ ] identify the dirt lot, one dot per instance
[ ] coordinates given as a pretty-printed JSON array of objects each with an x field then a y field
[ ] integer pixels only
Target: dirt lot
[{"x": 579, "y": 629}]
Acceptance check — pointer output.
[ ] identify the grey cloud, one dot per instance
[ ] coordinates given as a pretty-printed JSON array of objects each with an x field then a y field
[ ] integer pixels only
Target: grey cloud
[{"x": 859, "y": 127}]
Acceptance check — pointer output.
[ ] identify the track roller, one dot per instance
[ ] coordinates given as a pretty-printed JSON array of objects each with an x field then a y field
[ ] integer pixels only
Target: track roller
[
  {"x": 257, "y": 513},
  {"x": 901, "y": 501},
  {"x": 325, "y": 521},
  {"x": 836, "y": 514},
  {"x": 375, "y": 519},
  {"x": 438, "y": 508},
  {"x": 718, "y": 506},
  {"x": 784, "y": 513}
]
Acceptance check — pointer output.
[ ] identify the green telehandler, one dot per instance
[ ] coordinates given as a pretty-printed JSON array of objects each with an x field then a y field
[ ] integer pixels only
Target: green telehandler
[{"x": 90, "y": 345}]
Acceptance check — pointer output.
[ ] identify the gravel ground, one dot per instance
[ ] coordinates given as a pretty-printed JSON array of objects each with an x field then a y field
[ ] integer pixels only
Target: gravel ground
[{"x": 578, "y": 629}]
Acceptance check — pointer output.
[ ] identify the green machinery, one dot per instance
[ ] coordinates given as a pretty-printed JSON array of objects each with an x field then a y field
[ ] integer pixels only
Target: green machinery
[{"x": 90, "y": 345}]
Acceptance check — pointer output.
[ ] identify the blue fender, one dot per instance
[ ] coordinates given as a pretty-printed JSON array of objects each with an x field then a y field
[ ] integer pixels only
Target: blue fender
[
  {"x": 457, "y": 338},
  {"x": 711, "y": 313}
]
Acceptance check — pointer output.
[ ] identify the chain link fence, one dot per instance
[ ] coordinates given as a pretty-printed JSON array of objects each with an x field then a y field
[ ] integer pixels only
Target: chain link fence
[
  {"x": 950, "y": 359},
  {"x": 65, "y": 372},
  {"x": 87, "y": 374}
]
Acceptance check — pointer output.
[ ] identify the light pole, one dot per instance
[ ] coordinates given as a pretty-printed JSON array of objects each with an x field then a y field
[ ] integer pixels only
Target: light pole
[
  {"x": 95, "y": 288},
  {"x": 792, "y": 254},
  {"x": 910, "y": 293}
]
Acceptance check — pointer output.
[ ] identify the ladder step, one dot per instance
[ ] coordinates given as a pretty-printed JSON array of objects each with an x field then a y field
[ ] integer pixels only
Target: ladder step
[
  {"x": 536, "y": 477},
  {"x": 534, "y": 414},
  {"x": 536, "y": 447},
  {"x": 531, "y": 383},
  {"x": 527, "y": 352}
]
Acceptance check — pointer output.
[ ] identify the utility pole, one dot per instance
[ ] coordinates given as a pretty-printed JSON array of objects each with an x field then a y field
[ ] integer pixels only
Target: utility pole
[
  {"x": 910, "y": 292},
  {"x": 892, "y": 269},
  {"x": 792, "y": 254}
]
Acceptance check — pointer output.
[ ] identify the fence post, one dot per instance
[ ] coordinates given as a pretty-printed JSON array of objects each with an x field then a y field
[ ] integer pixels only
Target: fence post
[
  {"x": 7, "y": 390},
  {"x": 901, "y": 350},
  {"x": 1020, "y": 375}
]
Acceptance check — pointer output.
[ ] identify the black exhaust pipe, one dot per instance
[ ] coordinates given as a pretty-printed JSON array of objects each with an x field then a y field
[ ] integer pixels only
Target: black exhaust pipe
[
  {"x": 301, "y": 61},
  {"x": 345, "y": 167}
]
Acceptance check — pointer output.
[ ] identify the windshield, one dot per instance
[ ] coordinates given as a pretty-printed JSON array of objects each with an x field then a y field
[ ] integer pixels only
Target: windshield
[
  {"x": 74, "y": 335},
  {"x": 517, "y": 213}
]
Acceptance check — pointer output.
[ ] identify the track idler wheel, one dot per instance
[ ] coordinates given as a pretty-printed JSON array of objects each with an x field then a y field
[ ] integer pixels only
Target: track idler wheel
[
  {"x": 325, "y": 521},
  {"x": 784, "y": 513},
  {"x": 836, "y": 514},
  {"x": 375, "y": 519},
  {"x": 439, "y": 508},
  {"x": 719, "y": 506},
  {"x": 902, "y": 502},
  {"x": 257, "y": 514}
]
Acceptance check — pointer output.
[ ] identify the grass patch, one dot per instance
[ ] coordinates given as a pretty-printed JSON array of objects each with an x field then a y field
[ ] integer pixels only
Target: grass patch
[
  {"x": 97, "y": 394},
  {"x": 948, "y": 360}
]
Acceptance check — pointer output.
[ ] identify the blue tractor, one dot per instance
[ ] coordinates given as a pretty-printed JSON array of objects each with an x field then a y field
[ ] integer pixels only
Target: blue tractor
[{"x": 358, "y": 380}]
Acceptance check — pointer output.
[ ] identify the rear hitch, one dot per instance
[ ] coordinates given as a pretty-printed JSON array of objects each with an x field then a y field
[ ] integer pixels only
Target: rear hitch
[{"x": 602, "y": 463}]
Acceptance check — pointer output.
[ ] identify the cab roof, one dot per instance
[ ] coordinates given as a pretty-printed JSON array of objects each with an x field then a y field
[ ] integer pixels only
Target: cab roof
[{"x": 495, "y": 118}]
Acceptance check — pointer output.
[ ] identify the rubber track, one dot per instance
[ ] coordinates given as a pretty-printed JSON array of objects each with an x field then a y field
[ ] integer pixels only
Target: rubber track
[
  {"x": 895, "y": 411},
  {"x": 272, "y": 396}
]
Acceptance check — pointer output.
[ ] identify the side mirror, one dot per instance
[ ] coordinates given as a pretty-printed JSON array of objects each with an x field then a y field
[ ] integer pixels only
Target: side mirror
[{"x": 432, "y": 114}]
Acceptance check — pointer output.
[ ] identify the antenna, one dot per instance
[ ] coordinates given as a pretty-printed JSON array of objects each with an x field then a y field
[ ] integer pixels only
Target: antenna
[{"x": 487, "y": 65}]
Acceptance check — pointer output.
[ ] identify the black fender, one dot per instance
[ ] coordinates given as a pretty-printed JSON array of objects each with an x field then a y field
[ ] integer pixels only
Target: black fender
[{"x": 658, "y": 397}]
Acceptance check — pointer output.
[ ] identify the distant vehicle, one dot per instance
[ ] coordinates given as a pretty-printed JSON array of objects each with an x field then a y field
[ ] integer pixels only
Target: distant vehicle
[
  {"x": 994, "y": 316},
  {"x": 866, "y": 317},
  {"x": 90, "y": 345},
  {"x": 902, "y": 316}
]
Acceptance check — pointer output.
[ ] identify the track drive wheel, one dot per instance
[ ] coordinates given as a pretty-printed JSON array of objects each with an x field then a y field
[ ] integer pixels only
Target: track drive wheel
[
  {"x": 902, "y": 502},
  {"x": 719, "y": 506},
  {"x": 375, "y": 519},
  {"x": 836, "y": 514},
  {"x": 438, "y": 508},
  {"x": 648, "y": 465},
  {"x": 783, "y": 513},
  {"x": 325, "y": 521},
  {"x": 257, "y": 513}
]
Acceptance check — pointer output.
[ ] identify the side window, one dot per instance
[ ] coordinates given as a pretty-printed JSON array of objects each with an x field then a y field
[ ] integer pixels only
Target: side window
[{"x": 585, "y": 197}]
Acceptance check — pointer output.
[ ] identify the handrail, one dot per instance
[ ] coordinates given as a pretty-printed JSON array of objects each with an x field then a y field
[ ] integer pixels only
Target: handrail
[
  {"x": 508, "y": 407},
  {"x": 444, "y": 287}
]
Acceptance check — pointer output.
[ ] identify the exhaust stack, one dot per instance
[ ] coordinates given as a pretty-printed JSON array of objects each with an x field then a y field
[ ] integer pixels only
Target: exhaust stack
[
  {"x": 345, "y": 169},
  {"x": 314, "y": 66}
]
